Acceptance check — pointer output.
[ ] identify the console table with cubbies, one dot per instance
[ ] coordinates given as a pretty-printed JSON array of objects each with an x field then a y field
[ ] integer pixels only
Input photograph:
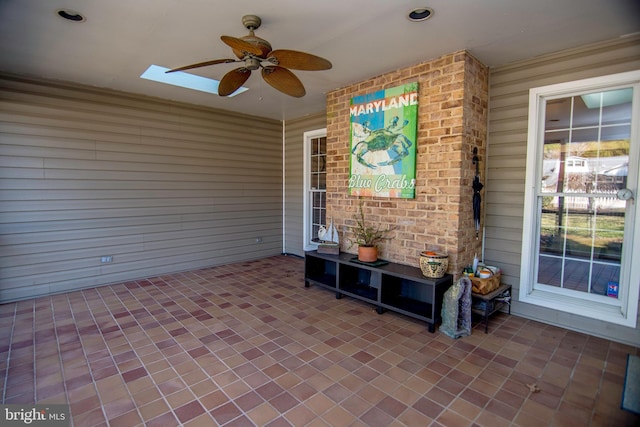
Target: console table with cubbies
[{"x": 395, "y": 287}]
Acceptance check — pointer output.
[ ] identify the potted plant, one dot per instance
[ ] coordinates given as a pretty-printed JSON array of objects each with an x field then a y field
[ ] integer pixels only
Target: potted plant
[{"x": 367, "y": 237}]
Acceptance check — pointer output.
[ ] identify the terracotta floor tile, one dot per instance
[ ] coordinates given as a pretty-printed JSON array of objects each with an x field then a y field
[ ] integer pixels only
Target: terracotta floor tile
[
  {"x": 411, "y": 417},
  {"x": 179, "y": 398},
  {"x": 570, "y": 414},
  {"x": 165, "y": 420},
  {"x": 300, "y": 416},
  {"x": 450, "y": 418},
  {"x": 451, "y": 386},
  {"x": 428, "y": 407},
  {"x": 189, "y": 411},
  {"x": 283, "y": 402},
  {"x": 392, "y": 406},
  {"x": 489, "y": 419},
  {"x": 440, "y": 396},
  {"x": 205, "y": 420},
  {"x": 501, "y": 409},
  {"x": 319, "y": 403},
  {"x": 85, "y": 405},
  {"x": 303, "y": 391},
  {"x": 213, "y": 400},
  {"x": 236, "y": 389},
  {"x": 153, "y": 409},
  {"x": 89, "y": 418},
  {"x": 225, "y": 412},
  {"x": 356, "y": 405},
  {"x": 337, "y": 416},
  {"x": 248, "y": 344},
  {"x": 115, "y": 408},
  {"x": 464, "y": 408},
  {"x": 134, "y": 374},
  {"x": 475, "y": 398},
  {"x": 262, "y": 414},
  {"x": 147, "y": 395},
  {"x": 130, "y": 419}
]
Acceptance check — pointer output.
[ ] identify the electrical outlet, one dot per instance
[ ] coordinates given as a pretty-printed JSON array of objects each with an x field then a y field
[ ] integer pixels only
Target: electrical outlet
[
  {"x": 106, "y": 259},
  {"x": 258, "y": 239}
]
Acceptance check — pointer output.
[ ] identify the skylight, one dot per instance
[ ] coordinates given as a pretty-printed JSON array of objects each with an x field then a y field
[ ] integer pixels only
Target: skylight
[
  {"x": 182, "y": 79},
  {"x": 609, "y": 98}
]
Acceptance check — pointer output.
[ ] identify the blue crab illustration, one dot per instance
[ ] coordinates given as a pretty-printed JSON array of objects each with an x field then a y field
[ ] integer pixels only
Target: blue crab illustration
[{"x": 388, "y": 139}]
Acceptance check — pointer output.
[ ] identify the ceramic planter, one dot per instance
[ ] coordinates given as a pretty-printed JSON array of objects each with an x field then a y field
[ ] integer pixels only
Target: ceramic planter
[
  {"x": 367, "y": 253},
  {"x": 433, "y": 264}
]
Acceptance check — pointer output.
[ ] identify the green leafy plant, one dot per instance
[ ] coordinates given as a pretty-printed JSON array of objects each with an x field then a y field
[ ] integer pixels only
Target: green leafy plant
[{"x": 367, "y": 235}]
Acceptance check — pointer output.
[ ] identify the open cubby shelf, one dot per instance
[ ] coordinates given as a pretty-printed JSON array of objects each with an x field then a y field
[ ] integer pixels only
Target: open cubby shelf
[
  {"x": 395, "y": 287},
  {"x": 410, "y": 306}
]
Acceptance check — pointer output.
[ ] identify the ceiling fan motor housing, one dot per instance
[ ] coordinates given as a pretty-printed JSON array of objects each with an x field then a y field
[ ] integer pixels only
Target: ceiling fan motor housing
[
  {"x": 251, "y": 23},
  {"x": 263, "y": 45}
]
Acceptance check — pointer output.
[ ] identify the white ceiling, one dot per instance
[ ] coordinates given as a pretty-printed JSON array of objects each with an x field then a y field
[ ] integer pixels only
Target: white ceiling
[{"x": 362, "y": 38}]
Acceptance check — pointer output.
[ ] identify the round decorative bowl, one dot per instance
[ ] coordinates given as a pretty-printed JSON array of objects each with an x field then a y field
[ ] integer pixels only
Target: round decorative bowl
[
  {"x": 484, "y": 273},
  {"x": 433, "y": 264}
]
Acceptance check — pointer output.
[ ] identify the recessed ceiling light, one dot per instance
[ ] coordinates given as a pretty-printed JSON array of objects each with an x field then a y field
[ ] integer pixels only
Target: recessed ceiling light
[
  {"x": 420, "y": 14},
  {"x": 70, "y": 15}
]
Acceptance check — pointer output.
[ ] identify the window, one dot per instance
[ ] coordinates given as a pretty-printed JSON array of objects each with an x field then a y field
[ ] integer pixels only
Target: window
[
  {"x": 315, "y": 185},
  {"x": 578, "y": 252}
]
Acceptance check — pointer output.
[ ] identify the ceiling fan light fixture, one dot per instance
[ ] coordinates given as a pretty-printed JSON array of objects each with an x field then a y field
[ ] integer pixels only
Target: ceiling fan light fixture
[
  {"x": 70, "y": 15},
  {"x": 420, "y": 14},
  {"x": 252, "y": 63}
]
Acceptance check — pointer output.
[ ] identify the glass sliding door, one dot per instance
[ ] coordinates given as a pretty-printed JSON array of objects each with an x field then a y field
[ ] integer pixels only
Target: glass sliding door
[{"x": 581, "y": 218}]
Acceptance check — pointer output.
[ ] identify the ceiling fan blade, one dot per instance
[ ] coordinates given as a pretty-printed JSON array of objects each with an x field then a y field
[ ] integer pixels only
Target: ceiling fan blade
[
  {"x": 202, "y": 64},
  {"x": 233, "y": 80},
  {"x": 241, "y": 45},
  {"x": 283, "y": 80},
  {"x": 299, "y": 60}
]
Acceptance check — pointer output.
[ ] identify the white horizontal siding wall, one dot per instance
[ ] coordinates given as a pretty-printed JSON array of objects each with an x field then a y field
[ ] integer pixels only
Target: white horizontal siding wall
[
  {"x": 507, "y": 147},
  {"x": 159, "y": 186},
  {"x": 294, "y": 179}
]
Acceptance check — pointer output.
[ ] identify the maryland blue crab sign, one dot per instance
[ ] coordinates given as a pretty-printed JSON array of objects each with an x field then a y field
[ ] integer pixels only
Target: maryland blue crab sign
[{"x": 383, "y": 143}]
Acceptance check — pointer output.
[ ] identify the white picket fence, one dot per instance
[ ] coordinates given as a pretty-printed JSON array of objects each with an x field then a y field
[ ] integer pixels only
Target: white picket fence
[{"x": 605, "y": 200}]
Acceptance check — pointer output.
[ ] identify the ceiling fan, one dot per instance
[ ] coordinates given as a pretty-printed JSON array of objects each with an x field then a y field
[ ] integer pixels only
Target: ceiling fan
[{"x": 257, "y": 53}]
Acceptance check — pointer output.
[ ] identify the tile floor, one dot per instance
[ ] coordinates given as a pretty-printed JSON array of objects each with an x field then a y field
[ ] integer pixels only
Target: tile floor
[{"x": 247, "y": 344}]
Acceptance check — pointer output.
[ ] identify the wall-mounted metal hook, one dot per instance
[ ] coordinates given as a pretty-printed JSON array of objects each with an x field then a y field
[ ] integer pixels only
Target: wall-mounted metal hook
[{"x": 476, "y": 160}]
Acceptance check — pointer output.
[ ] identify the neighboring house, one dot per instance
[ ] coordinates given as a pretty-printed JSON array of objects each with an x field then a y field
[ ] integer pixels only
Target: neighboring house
[
  {"x": 573, "y": 165},
  {"x": 188, "y": 187}
]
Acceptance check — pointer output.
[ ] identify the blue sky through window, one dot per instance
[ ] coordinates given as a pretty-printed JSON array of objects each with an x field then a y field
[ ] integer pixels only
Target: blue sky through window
[{"x": 182, "y": 79}]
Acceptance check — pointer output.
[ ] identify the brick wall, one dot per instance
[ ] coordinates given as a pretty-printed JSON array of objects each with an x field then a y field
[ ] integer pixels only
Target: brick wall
[{"x": 453, "y": 93}]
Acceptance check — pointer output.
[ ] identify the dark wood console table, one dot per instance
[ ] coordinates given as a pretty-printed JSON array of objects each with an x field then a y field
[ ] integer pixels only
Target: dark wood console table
[{"x": 391, "y": 286}]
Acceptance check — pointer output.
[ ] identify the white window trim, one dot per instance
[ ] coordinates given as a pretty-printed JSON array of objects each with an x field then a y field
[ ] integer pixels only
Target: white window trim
[
  {"x": 308, "y": 245},
  {"x": 626, "y": 313}
]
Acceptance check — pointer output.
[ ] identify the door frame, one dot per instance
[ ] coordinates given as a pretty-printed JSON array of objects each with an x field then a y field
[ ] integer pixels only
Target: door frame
[{"x": 626, "y": 313}]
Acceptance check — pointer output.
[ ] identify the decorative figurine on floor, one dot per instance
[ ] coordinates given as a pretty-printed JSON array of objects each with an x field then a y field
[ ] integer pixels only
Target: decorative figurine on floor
[{"x": 456, "y": 309}]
